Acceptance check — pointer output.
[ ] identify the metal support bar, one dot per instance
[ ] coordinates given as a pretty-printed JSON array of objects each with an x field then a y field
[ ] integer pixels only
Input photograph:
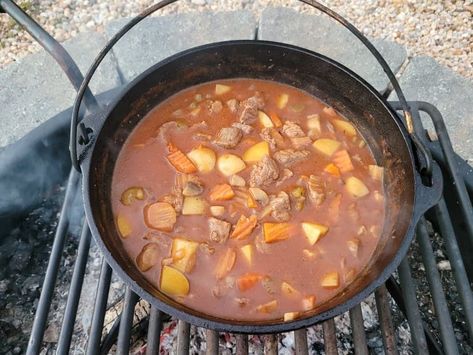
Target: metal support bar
[
  {"x": 53, "y": 47},
  {"x": 358, "y": 330},
  {"x": 241, "y": 344},
  {"x": 440, "y": 303},
  {"x": 211, "y": 337},
  {"x": 183, "y": 337},
  {"x": 103, "y": 287},
  {"x": 70, "y": 312},
  {"x": 385, "y": 320},
  {"x": 154, "y": 331},
  {"x": 412, "y": 309},
  {"x": 300, "y": 341},
  {"x": 126, "y": 322},
  {"x": 41, "y": 316},
  {"x": 330, "y": 337},
  {"x": 454, "y": 256},
  {"x": 270, "y": 344}
]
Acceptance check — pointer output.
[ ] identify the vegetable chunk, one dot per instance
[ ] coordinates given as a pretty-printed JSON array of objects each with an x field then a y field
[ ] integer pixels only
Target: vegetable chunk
[
  {"x": 345, "y": 127},
  {"x": 356, "y": 187},
  {"x": 193, "y": 205},
  {"x": 222, "y": 192},
  {"x": 181, "y": 162},
  {"x": 132, "y": 194},
  {"x": 282, "y": 101},
  {"x": 160, "y": 216},
  {"x": 221, "y": 89},
  {"x": 173, "y": 282},
  {"x": 326, "y": 146},
  {"x": 256, "y": 152},
  {"x": 265, "y": 120},
  {"x": 248, "y": 280},
  {"x": 148, "y": 257},
  {"x": 268, "y": 307},
  {"x": 225, "y": 264},
  {"x": 248, "y": 252},
  {"x": 124, "y": 226},
  {"x": 314, "y": 231},
  {"x": 275, "y": 232},
  {"x": 203, "y": 158},
  {"x": 183, "y": 254},
  {"x": 230, "y": 164},
  {"x": 330, "y": 280},
  {"x": 244, "y": 227}
]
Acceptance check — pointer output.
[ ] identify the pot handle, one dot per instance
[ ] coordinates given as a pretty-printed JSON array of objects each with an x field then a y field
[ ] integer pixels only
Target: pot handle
[
  {"x": 424, "y": 158},
  {"x": 428, "y": 196}
]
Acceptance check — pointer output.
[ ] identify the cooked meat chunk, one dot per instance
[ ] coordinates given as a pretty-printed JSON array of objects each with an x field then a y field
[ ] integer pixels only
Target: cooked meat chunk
[
  {"x": 264, "y": 172},
  {"x": 316, "y": 187},
  {"x": 219, "y": 230},
  {"x": 289, "y": 157},
  {"x": 292, "y": 130},
  {"x": 249, "y": 108},
  {"x": 215, "y": 107},
  {"x": 266, "y": 136},
  {"x": 247, "y": 129},
  {"x": 280, "y": 207},
  {"x": 286, "y": 174},
  {"x": 228, "y": 137},
  {"x": 233, "y": 105},
  {"x": 175, "y": 198},
  {"x": 165, "y": 128},
  {"x": 300, "y": 142}
]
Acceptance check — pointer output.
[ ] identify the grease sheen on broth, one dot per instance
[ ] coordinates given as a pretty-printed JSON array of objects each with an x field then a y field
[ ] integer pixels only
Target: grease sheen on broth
[{"x": 259, "y": 225}]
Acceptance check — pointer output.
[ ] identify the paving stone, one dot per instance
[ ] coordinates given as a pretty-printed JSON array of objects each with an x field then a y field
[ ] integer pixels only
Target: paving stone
[
  {"x": 325, "y": 36},
  {"x": 156, "y": 38},
  {"x": 426, "y": 80},
  {"x": 35, "y": 88}
]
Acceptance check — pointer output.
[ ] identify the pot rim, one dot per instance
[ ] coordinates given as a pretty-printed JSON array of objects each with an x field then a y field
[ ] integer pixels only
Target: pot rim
[{"x": 235, "y": 326}]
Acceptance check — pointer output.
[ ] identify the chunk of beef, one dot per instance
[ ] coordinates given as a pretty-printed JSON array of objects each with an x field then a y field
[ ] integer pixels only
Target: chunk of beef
[
  {"x": 264, "y": 172},
  {"x": 228, "y": 137},
  {"x": 249, "y": 108},
  {"x": 316, "y": 188},
  {"x": 219, "y": 230},
  {"x": 273, "y": 137},
  {"x": 280, "y": 207},
  {"x": 233, "y": 105},
  {"x": 289, "y": 157},
  {"x": 301, "y": 142},
  {"x": 292, "y": 130},
  {"x": 215, "y": 107},
  {"x": 286, "y": 174},
  {"x": 165, "y": 128},
  {"x": 247, "y": 129}
]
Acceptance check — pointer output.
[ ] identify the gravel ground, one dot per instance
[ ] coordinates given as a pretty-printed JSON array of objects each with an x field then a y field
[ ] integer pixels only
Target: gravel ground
[{"x": 441, "y": 29}]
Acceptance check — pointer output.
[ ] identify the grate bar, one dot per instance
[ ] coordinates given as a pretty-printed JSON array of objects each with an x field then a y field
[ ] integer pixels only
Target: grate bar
[
  {"x": 412, "y": 309},
  {"x": 111, "y": 337},
  {"x": 93, "y": 347},
  {"x": 45, "y": 298},
  {"x": 70, "y": 312},
  {"x": 154, "y": 331},
  {"x": 438, "y": 296},
  {"x": 300, "y": 341},
  {"x": 211, "y": 337},
  {"x": 454, "y": 256},
  {"x": 183, "y": 337},
  {"x": 241, "y": 344},
  {"x": 358, "y": 329},
  {"x": 270, "y": 344},
  {"x": 330, "y": 337},
  {"x": 385, "y": 320},
  {"x": 126, "y": 322}
]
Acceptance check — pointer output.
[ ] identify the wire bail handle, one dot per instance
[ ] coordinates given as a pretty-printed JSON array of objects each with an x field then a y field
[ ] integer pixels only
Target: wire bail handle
[{"x": 425, "y": 164}]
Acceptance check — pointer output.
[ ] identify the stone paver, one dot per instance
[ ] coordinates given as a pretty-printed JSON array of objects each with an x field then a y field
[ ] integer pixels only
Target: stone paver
[
  {"x": 323, "y": 35},
  {"x": 426, "y": 80},
  {"x": 35, "y": 89},
  {"x": 159, "y": 37}
]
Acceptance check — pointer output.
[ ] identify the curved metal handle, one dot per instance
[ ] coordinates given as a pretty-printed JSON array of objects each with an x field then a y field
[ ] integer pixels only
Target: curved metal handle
[{"x": 425, "y": 163}]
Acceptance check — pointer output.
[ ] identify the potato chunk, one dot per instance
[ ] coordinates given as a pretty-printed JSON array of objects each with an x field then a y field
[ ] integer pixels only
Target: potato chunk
[
  {"x": 265, "y": 120},
  {"x": 217, "y": 211},
  {"x": 203, "y": 158},
  {"x": 267, "y": 307},
  {"x": 290, "y": 316},
  {"x": 221, "y": 89},
  {"x": 275, "y": 232},
  {"x": 356, "y": 187},
  {"x": 314, "y": 231},
  {"x": 288, "y": 290},
  {"x": 344, "y": 126},
  {"x": 353, "y": 245},
  {"x": 230, "y": 164},
  {"x": 173, "y": 282},
  {"x": 132, "y": 194},
  {"x": 330, "y": 280},
  {"x": 376, "y": 172},
  {"x": 225, "y": 263},
  {"x": 326, "y": 146},
  {"x": 160, "y": 216},
  {"x": 193, "y": 205},
  {"x": 259, "y": 195},
  {"x": 282, "y": 101},
  {"x": 183, "y": 254},
  {"x": 123, "y": 226},
  {"x": 308, "y": 303},
  {"x": 148, "y": 257},
  {"x": 256, "y": 152},
  {"x": 248, "y": 252}
]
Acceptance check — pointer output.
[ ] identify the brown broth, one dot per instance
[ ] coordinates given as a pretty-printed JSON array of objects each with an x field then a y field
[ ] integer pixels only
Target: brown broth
[{"x": 142, "y": 162}]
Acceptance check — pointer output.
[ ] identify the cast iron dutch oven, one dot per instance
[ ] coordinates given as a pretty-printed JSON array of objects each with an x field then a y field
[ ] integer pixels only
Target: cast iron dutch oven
[{"x": 407, "y": 198}]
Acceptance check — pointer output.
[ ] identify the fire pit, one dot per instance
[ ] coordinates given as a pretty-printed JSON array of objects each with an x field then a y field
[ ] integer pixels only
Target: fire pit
[{"x": 434, "y": 333}]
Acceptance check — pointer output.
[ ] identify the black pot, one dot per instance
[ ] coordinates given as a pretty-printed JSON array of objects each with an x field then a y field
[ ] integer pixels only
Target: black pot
[{"x": 406, "y": 197}]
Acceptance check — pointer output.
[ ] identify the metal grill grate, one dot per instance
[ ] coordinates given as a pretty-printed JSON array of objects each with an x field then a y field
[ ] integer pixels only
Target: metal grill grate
[{"x": 452, "y": 218}]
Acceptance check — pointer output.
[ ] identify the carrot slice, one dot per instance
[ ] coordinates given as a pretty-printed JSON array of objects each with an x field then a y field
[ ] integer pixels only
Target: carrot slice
[
  {"x": 225, "y": 263},
  {"x": 244, "y": 227},
  {"x": 222, "y": 192},
  {"x": 332, "y": 169},
  {"x": 248, "y": 280},
  {"x": 181, "y": 162},
  {"x": 275, "y": 119},
  {"x": 275, "y": 232},
  {"x": 342, "y": 161}
]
